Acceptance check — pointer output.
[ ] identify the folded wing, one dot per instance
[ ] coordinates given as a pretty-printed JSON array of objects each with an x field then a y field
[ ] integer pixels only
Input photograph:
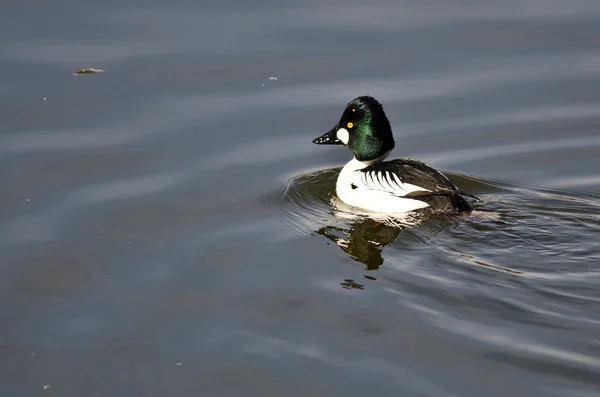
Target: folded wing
[{"x": 408, "y": 178}]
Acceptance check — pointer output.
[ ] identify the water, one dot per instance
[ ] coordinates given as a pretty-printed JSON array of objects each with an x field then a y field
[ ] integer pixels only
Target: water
[{"x": 166, "y": 227}]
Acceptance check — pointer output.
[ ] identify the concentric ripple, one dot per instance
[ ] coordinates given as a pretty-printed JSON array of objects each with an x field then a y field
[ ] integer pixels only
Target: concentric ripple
[
  {"x": 307, "y": 205},
  {"x": 303, "y": 204}
]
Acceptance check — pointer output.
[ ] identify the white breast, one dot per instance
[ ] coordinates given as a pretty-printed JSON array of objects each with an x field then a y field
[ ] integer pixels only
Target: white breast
[{"x": 368, "y": 192}]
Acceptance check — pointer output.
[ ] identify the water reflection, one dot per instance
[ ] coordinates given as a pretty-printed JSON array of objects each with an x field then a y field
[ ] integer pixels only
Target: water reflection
[{"x": 363, "y": 241}]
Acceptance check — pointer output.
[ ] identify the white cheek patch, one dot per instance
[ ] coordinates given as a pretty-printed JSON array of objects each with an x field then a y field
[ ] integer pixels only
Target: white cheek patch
[{"x": 342, "y": 135}]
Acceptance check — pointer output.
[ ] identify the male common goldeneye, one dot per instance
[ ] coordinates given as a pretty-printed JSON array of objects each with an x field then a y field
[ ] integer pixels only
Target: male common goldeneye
[{"x": 395, "y": 186}]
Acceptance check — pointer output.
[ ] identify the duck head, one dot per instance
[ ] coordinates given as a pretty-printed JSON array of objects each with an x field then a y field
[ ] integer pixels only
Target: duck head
[{"x": 363, "y": 128}]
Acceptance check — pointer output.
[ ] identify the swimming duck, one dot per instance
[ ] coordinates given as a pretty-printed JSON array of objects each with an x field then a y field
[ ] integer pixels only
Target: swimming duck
[{"x": 396, "y": 186}]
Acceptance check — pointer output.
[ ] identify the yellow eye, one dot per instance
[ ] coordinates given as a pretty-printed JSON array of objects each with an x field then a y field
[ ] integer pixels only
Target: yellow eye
[{"x": 350, "y": 125}]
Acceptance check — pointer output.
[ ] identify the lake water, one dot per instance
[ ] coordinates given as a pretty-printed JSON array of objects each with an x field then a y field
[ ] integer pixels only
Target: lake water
[{"x": 167, "y": 229}]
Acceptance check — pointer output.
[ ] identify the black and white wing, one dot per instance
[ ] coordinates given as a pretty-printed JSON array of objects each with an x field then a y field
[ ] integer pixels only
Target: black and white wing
[{"x": 408, "y": 178}]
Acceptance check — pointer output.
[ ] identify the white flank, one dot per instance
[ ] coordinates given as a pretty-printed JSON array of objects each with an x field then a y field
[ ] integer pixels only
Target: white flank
[
  {"x": 368, "y": 192},
  {"x": 343, "y": 135}
]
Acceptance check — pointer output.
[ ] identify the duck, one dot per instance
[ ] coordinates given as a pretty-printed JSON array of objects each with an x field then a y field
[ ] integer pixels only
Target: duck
[{"x": 371, "y": 183}]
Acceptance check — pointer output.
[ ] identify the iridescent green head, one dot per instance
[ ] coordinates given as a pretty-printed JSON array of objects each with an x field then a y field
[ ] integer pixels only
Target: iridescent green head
[{"x": 364, "y": 128}]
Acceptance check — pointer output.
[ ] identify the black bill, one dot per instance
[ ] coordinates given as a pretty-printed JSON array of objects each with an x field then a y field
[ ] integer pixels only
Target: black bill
[{"x": 328, "y": 138}]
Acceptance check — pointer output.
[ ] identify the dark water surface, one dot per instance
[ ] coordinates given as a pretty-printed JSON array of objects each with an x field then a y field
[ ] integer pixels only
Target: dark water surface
[{"x": 166, "y": 227}]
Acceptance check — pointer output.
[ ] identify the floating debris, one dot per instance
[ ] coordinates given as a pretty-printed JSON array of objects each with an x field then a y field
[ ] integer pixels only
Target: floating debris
[
  {"x": 178, "y": 363},
  {"x": 46, "y": 387},
  {"x": 273, "y": 78},
  {"x": 350, "y": 284},
  {"x": 87, "y": 71}
]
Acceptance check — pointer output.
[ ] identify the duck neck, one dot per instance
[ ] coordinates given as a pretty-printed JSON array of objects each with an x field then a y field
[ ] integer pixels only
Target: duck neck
[
  {"x": 379, "y": 159},
  {"x": 354, "y": 164}
]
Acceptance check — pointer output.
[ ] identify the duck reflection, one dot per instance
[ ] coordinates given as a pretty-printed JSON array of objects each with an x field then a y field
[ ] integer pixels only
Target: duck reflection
[
  {"x": 363, "y": 236},
  {"x": 363, "y": 240}
]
